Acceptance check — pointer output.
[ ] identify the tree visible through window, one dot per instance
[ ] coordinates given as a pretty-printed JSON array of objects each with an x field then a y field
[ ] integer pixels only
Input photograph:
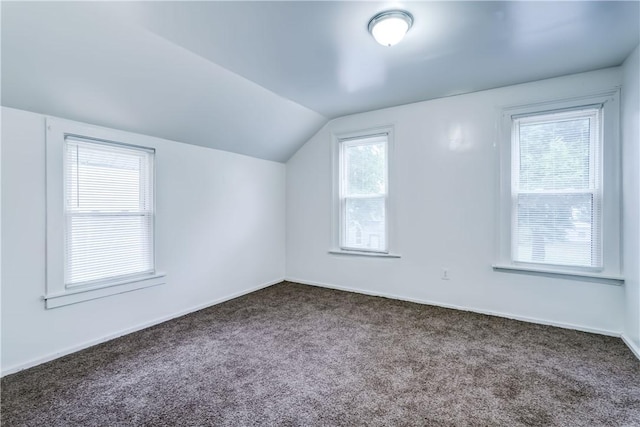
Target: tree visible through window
[
  {"x": 363, "y": 193},
  {"x": 556, "y": 182}
]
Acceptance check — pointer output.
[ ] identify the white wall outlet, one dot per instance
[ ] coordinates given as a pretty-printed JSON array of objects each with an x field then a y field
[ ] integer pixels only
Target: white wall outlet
[{"x": 444, "y": 275}]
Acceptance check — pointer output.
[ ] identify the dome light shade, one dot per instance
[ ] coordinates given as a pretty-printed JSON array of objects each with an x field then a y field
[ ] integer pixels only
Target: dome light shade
[{"x": 389, "y": 27}]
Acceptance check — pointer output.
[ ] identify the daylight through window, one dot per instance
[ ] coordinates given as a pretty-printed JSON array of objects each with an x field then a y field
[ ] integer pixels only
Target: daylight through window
[
  {"x": 363, "y": 193},
  {"x": 556, "y": 188},
  {"x": 109, "y": 211}
]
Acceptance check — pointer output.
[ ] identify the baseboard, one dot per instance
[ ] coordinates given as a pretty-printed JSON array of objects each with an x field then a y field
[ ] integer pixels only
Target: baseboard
[
  {"x": 462, "y": 308},
  {"x": 34, "y": 362},
  {"x": 58, "y": 354},
  {"x": 635, "y": 349}
]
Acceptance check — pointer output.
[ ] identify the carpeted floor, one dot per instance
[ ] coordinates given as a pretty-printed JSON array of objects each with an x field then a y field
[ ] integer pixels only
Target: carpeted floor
[{"x": 295, "y": 355}]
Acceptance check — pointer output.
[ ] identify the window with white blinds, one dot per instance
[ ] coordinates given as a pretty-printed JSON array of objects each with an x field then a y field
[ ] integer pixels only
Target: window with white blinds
[
  {"x": 559, "y": 210},
  {"x": 557, "y": 188},
  {"x": 109, "y": 211},
  {"x": 363, "y": 192}
]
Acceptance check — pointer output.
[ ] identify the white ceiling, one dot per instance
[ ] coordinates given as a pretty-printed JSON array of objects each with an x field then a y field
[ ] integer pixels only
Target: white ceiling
[{"x": 259, "y": 78}]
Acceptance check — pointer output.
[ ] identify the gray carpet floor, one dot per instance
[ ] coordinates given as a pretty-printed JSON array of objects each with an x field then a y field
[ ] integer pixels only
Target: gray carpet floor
[{"x": 295, "y": 355}]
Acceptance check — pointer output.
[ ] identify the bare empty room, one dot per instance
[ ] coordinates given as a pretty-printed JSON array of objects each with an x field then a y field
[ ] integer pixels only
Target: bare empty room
[{"x": 319, "y": 213}]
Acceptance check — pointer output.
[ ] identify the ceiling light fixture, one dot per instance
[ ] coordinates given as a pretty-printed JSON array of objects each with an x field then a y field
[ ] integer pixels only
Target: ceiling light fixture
[{"x": 389, "y": 27}]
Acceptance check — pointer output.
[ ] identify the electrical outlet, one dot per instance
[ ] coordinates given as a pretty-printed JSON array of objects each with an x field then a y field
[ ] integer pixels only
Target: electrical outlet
[{"x": 444, "y": 275}]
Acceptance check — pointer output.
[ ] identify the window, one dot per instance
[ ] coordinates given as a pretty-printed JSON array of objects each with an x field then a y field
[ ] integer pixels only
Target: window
[
  {"x": 363, "y": 193},
  {"x": 100, "y": 213},
  {"x": 362, "y": 189},
  {"x": 560, "y": 187},
  {"x": 109, "y": 211}
]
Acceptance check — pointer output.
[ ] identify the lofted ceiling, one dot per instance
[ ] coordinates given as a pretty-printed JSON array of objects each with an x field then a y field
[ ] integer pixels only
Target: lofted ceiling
[{"x": 260, "y": 78}]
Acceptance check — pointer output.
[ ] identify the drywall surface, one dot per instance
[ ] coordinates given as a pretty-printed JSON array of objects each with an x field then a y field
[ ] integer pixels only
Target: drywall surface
[
  {"x": 122, "y": 82},
  {"x": 219, "y": 233},
  {"x": 444, "y": 182},
  {"x": 631, "y": 194}
]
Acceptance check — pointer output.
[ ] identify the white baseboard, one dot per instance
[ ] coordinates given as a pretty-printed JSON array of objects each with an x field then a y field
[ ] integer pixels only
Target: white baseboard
[
  {"x": 87, "y": 344},
  {"x": 462, "y": 308},
  {"x": 34, "y": 362},
  {"x": 635, "y": 349}
]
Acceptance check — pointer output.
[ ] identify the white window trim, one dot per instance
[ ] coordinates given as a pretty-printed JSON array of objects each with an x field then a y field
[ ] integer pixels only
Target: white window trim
[
  {"x": 336, "y": 218},
  {"x": 611, "y": 272},
  {"x": 56, "y": 293}
]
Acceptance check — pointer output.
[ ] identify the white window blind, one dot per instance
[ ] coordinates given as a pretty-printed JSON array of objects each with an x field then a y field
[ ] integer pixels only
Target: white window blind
[
  {"x": 557, "y": 188},
  {"x": 109, "y": 211},
  {"x": 363, "y": 193}
]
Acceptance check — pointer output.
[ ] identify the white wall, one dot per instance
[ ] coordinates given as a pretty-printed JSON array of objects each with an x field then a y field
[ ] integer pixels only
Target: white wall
[
  {"x": 446, "y": 171},
  {"x": 219, "y": 232},
  {"x": 631, "y": 194}
]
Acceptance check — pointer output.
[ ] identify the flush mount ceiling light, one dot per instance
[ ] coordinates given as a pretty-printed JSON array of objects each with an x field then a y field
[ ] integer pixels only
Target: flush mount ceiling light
[{"x": 389, "y": 27}]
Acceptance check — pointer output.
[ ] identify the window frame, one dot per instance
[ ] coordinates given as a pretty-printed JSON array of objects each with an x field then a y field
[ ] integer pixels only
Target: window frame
[
  {"x": 339, "y": 201},
  {"x": 610, "y": 225},
  {"x": 57, "y": 292}
]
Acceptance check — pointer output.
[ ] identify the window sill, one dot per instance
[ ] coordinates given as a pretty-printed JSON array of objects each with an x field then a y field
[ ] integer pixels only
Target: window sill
[
  {"x": 575, "y": 275},
  {"x": 364, "y": 253},
  {"x": 73, "y": 296}
]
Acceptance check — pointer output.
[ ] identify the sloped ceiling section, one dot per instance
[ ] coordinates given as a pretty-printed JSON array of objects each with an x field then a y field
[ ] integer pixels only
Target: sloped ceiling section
[
  {"x": 90, "y": 62},
  {"x": 319, "y": 53},
  {"x": 260, "y": 77}
]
